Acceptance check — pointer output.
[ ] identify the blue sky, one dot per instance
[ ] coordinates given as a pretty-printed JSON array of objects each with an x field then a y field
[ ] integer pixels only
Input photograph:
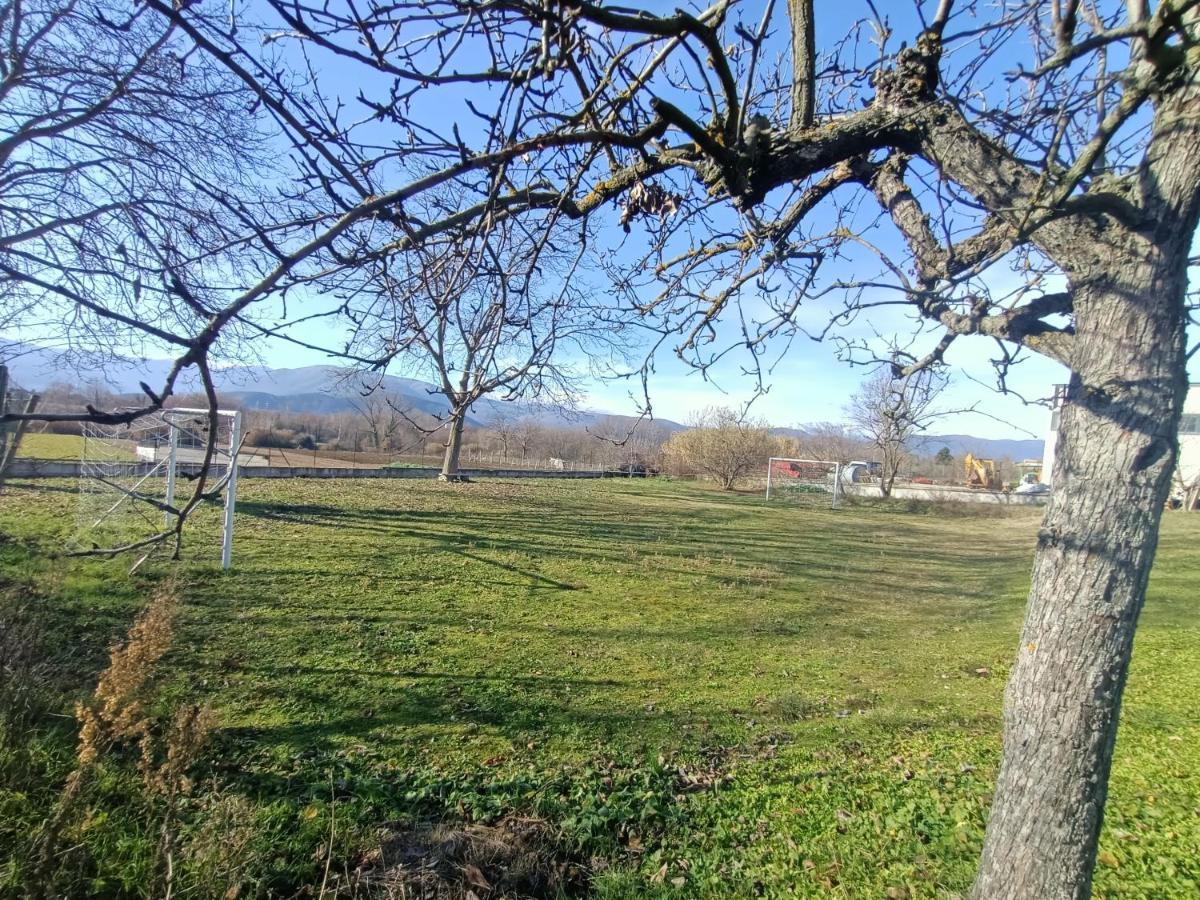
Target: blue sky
[{"x": 810, "y": 383}]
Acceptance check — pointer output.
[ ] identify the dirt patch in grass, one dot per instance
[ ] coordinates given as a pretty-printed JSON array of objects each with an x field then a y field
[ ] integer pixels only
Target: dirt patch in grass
[{"x": 515, "y": 858}]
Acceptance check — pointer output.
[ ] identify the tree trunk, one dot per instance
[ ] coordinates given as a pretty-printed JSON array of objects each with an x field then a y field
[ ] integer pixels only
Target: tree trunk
[
  {"x": 453, "y": 450},
  {"x": 1116, "y": 453},
  {"x": 885, "y": 485},
  {"x": 891, "y": 467}
]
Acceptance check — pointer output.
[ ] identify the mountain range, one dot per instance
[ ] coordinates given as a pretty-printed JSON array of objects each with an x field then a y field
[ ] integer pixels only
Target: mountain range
[
  {"x": 329, "y": 389},
  {"x": 307, "y": 389}
]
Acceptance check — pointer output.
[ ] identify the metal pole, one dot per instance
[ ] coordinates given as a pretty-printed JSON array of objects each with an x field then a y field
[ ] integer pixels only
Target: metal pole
[
  {"x": 235, "y": 442},
  {"x": 172, "y": 457},
  {"x": 837, "y": 483},
  {"x": 770, "y": 466}
]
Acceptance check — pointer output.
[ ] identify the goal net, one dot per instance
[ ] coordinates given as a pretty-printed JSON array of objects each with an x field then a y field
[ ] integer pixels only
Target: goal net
[
  {"x": 810, "y": 482},
  {"x": 136, "y": 479}
]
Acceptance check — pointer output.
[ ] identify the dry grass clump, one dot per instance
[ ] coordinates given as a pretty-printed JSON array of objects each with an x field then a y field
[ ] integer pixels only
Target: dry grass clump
[
  {"x": 515, "y": 858},
  {"x": 118, "y": 709},
  {"x": 120, "y": 715}
]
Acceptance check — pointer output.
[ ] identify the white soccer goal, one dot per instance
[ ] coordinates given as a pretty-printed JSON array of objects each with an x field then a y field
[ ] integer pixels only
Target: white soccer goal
[
  {"x": 130, "y": 475},
  {"x": 816, "y": 482}
]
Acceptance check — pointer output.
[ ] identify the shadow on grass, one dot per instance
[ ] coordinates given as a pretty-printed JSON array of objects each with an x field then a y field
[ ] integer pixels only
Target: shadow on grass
[{"x": 847, "y": 553}]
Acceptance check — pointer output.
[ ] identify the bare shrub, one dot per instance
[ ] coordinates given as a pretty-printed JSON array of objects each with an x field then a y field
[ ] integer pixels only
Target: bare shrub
[{"x": 721, "y": 444}]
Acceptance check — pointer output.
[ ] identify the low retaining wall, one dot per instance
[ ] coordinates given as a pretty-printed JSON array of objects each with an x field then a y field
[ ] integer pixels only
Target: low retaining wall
[
  {"x": 943, "y": 492},
  {"x": 64, "y": 468}
]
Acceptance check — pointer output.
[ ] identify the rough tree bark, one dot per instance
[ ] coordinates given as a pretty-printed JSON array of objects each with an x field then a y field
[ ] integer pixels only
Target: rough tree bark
[
  {"x": 804, "y": 55},
  {"x": 1116, "y": 455},
  {"x": 888, "y": 481},
  {"x": 1112, "y": 476},
  {"x": 454, "y": 437},
  {"x": 3, "y": 408}
]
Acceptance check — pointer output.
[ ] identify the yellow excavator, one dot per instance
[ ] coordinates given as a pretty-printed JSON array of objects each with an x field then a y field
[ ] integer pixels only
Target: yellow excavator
[{"x": 981, "y": 473}]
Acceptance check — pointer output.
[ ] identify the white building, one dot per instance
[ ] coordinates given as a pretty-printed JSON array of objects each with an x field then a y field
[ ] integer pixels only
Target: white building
[{"x": 1189, "y": 439}]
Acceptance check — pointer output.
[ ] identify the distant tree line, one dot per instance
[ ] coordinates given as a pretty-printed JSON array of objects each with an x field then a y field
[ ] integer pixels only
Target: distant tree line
[{"x": 719, "y": 443}]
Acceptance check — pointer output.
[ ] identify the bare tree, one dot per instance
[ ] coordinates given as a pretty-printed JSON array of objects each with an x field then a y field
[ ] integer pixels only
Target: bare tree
[
  {"x": 515, "y": 431},
  {"x": 831, "y": 441},
  {"x": 382, "y": 414},
  {"x": 890, "y": 411},
  {"x": 1076, "y": 178},
  {"x": 633, "y": 445},
  {"x": 479, "y": 321},
  {"x": 722, "y": 444},
  {"x": 503, "y": 427},
  {"x": 527, "y": 433}
]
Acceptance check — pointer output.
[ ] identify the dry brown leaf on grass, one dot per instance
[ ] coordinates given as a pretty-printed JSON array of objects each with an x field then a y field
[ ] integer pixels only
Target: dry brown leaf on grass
[{"x": 475, "y": 877}]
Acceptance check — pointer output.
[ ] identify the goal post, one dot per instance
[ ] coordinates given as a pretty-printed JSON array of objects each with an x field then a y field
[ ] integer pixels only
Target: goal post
[
  {"x": 235, "y": 447},
  {"x": 226, "y": 452},
  {"x": 816, "y": 482},
  {"x": 130, "y": 477}
]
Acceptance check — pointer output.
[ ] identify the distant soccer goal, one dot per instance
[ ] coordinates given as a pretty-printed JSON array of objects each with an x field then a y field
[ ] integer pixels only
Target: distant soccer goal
[
  {"x": 136, "y": 478},
  {"x": 812, "y": 482}
]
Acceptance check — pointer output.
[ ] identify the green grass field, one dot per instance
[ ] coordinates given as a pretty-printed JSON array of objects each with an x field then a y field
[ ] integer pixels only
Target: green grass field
[
  {"x": 700, "y": 695},
  {"x": 51, "y": 446}
]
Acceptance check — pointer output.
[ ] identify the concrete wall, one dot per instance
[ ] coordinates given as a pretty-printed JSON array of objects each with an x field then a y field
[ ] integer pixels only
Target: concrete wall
[
  {"x": 44, "y": 468},
  {"x": 940, "y": 493}
]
